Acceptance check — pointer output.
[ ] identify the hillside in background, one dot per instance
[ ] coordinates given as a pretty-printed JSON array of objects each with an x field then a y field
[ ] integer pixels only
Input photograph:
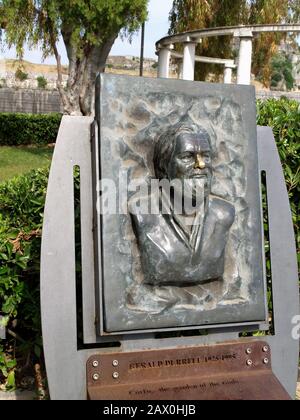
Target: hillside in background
[
  {"x": 26, "y": 66},
  {"x": 128, "y": 65},
  {"x": 29, "y": 72}
]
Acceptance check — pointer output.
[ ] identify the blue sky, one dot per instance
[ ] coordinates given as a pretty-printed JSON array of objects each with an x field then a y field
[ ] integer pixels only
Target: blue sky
[{"x": 156, "y": 27}]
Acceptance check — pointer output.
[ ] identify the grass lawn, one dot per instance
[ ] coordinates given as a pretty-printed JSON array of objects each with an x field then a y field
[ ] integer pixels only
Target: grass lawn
[{"x": 19, "y": 160}]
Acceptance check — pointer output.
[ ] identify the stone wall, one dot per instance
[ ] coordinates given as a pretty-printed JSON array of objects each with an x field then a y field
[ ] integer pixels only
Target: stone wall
[
  {"x": 264, "y": 94},
  {"x": 37, "y": 101},
  {"x": 33, "y": 101}
]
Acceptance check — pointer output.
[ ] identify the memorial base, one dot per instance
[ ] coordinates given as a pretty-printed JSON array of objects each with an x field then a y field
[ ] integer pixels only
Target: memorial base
[{"x": 234, "y": 371}]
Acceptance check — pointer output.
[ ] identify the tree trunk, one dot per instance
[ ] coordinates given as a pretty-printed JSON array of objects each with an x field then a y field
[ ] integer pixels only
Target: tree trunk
[{"x": 78, "y": 95}]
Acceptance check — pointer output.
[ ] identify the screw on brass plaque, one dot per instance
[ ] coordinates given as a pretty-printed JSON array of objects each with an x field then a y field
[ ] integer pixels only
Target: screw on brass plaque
[
  {"x": 115, "y": 375},
  {"x": 265, "y": 349},
  {"x": 249, "y": 351},
  {"x": 96, "y": 377},
  {"x": 266, "y": 361},
  {"x": 115, "y": 363},
  {"x": 95, "y": 363},
  {"x": 249, "y": 363}
]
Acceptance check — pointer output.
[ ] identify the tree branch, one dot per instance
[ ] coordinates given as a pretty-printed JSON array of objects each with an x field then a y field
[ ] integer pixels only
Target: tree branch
[
  {"x": 66, "y": 33},
  {"x": 59, "y": 66},
  {"x": 95, "y": 64}
]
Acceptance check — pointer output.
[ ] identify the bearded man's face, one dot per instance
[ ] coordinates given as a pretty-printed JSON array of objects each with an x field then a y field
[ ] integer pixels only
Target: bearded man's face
[{"x": 191, "y": 163}]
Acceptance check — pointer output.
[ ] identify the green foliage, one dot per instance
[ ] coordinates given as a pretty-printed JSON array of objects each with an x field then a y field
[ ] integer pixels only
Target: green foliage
[
  {"x": 22, "y": 200},
  {"x": 42, "y": 82},
  {"x": 20, "y": 75},
  {"x": 88, "y": 29},
  {"x": 282, "y": 71},
  {"x": 23, "y": 129},
  {"x": 7, "y": 370},
  {"x": 188, "y": 15},
  {"x": 21, "y": 211},
  {"x": 21, "y": 215},
  {"x": 284, "y": 118},
  {"x": 91, "y": 22}
]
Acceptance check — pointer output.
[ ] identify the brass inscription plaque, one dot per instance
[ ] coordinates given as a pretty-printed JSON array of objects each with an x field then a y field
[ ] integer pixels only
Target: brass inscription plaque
[{"x": 234, "y": 371}]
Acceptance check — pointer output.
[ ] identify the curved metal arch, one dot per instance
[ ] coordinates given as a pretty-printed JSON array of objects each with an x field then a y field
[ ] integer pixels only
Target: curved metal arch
[{"x": 65, "y": 363}]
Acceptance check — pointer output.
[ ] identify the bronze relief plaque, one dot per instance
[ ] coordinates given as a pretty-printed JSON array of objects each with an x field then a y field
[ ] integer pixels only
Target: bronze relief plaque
[{"x": 178, "y": 206}]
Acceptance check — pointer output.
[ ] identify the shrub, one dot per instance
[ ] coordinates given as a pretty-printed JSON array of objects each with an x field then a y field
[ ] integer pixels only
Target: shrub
[
  {"x": 42, "y": 82},
  {"x": 23, "y": 129},
  {"x": 21, "y": 215},
  {"x": 22, "y": 203},
  {"x": 21, "y": 75}
]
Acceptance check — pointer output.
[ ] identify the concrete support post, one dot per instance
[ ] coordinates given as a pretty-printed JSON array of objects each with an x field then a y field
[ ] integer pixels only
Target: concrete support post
[
  {"x": 188, "y": 70},
  {"x": 180, "y": 70},
  {"x": 228, "y": 73},
  {"x": 245, "y": 58},
  {"x": 164, "y": 56}
]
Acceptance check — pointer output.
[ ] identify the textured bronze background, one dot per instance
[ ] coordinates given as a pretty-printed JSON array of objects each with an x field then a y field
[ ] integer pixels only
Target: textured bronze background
[
  {"x": 146, "y": 268},
  {"x": 223, "y": 372}
]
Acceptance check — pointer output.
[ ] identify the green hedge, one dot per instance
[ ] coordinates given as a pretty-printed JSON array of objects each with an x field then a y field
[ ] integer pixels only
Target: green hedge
[
  {"x": 24, "y": 129},
  {"x": 22, "y": 203}
]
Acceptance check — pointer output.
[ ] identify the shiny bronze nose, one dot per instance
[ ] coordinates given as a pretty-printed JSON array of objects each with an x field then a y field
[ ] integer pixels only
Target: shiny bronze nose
[{"x": 199, "y": 164}]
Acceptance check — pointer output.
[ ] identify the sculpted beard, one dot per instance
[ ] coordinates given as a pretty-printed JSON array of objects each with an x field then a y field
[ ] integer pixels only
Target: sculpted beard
[{"x": 195, "y": 191}]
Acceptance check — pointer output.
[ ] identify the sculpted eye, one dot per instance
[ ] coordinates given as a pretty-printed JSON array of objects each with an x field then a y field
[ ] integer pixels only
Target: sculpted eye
[{"x": 186, "y": 156}]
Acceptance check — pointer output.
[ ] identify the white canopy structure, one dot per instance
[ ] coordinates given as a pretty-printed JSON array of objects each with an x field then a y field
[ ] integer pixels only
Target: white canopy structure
[{"x": 165, "y": 50}]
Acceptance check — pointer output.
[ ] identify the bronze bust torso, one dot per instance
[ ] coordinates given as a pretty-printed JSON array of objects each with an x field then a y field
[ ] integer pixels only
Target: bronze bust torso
[
  {"x": 168, "y": 258},
  {"x": 185, "y": 248}
]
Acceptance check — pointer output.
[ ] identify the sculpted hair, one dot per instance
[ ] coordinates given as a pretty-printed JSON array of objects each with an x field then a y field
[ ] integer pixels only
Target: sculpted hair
[{"x": 165, "y": 145}]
